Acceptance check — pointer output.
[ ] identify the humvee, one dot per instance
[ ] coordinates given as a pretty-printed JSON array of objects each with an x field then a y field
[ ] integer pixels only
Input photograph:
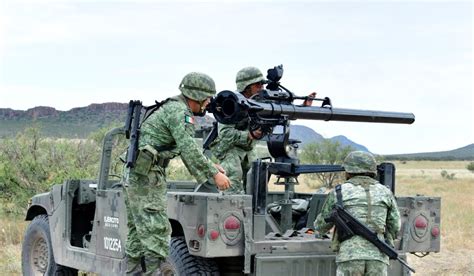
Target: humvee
[{"x": 81, "y": 225}]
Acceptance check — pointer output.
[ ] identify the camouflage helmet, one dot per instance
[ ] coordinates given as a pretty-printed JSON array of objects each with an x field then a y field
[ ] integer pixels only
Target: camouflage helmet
[
  {"x": 197, "y": 86},
  {"x": 360, "y": 162},
  {"x": 247, "y": 76}
]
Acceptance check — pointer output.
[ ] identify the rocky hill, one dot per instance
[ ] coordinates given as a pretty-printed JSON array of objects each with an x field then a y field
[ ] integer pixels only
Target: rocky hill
[
  {"x": 463, "y": 153},
  {"x": 75, "y": 123},
  {"x": 81, "y": 121}
]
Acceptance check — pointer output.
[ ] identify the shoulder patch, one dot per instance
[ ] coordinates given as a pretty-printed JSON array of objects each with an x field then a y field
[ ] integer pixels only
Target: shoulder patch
[{"x": 189, "y": 119}]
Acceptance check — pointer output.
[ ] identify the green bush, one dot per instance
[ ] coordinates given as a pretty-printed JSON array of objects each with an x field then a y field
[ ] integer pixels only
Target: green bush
[
  {"x": 446, "y": 175},
  {"x": 470, "y": 167},
  {"x": 325, "y": 152},
  {"x": 31, "y": 163}
]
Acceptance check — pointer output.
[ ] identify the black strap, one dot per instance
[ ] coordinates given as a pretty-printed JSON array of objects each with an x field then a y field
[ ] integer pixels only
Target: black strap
[
  {"x": 164, "y": 148},
  {"x": 152, "y": 108},
  {"x": 339, "y": 195},
  {"x": 143, "y": 264}
]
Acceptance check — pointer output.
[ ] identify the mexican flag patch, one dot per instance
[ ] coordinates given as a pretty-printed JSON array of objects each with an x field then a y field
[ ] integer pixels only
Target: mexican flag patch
[{"x": 189, "y": 119}]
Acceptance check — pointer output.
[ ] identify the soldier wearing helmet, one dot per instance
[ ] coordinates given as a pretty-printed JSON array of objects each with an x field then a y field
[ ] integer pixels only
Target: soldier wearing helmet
[
  {"x": 234, "y": 147},
  {"x": 165, "y": 134},
  {"x": 372, "y": 204}
]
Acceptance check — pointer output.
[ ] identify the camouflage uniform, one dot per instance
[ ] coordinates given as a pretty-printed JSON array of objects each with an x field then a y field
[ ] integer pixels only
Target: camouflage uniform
[
  {"x": 233, "y": 148},
  {"x": 235, "y": 152},
  {"x": 167, "y": 133},
  {"x": 374, "y": 205}
]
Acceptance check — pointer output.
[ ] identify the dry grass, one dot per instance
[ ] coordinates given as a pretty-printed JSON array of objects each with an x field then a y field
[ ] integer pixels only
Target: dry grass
[
  {"x": 457, "y": 212},
  {"x": 11, "y": 236},
  {"x": 413, "y": 177}
]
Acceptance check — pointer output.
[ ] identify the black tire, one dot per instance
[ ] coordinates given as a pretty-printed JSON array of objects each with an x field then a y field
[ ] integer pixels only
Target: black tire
[
  {"x": 37, "y": 252},
  {"x": 181, "y": 263}
]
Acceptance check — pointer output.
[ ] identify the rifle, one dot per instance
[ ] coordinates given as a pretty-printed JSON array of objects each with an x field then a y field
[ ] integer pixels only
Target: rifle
[
  {"x": 207, "y": 141},
  {"x": 132, "y": 131},
  {"x": 348, "y": 226}
]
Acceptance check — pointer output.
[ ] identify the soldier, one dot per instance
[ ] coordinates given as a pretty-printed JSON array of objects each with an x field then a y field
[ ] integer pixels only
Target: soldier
[
  {"x": 165, "y": 134},
  {"x": 371, "y": 203},
  {"x": 234, "y": 147}
]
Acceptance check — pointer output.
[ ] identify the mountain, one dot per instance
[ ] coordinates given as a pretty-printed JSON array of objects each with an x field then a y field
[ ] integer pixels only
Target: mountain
[
  {"x": 463, "y": 153},
  {"x": 81, "y": 121},
  {"x": 344, "y": 141},
  {"x": 308, "y": 135},
  {"x": 305, "y": 134},
  {"x": 75, "y": 123}
]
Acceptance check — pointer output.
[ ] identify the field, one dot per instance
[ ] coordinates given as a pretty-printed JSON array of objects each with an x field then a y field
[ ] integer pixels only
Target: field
[{"x": 413, "y": 177}]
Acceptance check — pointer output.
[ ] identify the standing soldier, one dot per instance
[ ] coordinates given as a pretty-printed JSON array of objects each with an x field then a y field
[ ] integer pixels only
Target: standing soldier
[
  {"x": 372, "y": 204},
  {"x": 165, "y": 134}
]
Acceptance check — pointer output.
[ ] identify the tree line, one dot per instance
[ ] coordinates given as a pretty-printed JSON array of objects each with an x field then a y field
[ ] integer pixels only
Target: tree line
[{"x": 31, "y": 163}]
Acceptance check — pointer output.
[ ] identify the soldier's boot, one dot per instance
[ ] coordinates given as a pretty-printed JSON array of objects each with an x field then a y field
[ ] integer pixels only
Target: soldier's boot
[
  {"x": 151, "y": 266},
  {"x": 134, "y": 267}
]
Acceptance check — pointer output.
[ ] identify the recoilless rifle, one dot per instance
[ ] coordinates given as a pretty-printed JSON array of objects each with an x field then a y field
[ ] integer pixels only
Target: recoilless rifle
[{"x": 274, "y": 106}]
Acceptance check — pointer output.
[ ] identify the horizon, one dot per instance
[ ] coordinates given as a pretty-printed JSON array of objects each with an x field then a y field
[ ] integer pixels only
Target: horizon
[
  {"x": 389, "y": 55},
  {"x": 295, "y": 123}
]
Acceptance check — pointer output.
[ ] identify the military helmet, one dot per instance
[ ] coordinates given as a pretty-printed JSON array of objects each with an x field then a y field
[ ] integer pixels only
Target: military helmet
[
  {"x": 360, "y": 162},
  {"x": 247, "y": 76},
  {"x": 197, "y": 86}
]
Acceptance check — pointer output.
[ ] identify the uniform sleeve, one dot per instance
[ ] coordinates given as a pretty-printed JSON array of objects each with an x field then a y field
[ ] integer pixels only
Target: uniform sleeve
[
  {"x": 319, "y": 224},
  {"x": 393, "y": 218},
  {"x": 197, "y": 164},
  {"x": 232, "y": 136}
]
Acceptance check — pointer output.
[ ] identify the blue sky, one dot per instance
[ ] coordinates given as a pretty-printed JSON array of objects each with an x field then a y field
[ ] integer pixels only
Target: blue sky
[{"x": 382, "y": 55}]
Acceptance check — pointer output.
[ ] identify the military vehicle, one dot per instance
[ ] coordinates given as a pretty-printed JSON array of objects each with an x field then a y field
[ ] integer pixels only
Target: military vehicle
[{"x": 81, "y": 225}]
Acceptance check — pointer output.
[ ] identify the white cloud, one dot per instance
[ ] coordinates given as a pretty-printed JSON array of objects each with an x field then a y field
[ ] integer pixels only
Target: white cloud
[{"x": 363, "y": 56}]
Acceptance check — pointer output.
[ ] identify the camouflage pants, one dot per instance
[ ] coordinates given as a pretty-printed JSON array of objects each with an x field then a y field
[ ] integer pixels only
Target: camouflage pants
[
  {"x": 361, "y": 268},
  {"x": 236, "y": 164},
  {"x": 148, "y": 226}
]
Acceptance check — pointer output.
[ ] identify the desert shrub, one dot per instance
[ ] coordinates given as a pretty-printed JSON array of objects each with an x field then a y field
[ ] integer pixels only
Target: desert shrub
[
  {"x": 446, "y": 175},
  {"x": 470, "y": 167},
  {"x": 325, "y": 152}
]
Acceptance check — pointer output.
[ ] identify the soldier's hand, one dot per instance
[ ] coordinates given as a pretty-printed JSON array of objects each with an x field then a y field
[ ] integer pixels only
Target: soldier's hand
[
  {"x": 309, "y": 100},
  {"x": 219, "y": 168},
  {"x": 255, "y": 134},
  {"x": 222, "y": 181}
]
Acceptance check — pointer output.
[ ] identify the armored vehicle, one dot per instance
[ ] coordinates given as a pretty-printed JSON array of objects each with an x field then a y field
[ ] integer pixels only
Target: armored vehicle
[{"x": 81, "y": 225}]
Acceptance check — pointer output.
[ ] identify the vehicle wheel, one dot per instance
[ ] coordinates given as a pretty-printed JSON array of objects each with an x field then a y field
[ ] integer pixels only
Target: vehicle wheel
[
  {"x": 181, "y": 263},
  {"x": 37, "y": 252}
]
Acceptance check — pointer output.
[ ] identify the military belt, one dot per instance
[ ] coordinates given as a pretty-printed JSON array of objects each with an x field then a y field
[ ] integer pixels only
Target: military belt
[{"x": 162, "y": 162}]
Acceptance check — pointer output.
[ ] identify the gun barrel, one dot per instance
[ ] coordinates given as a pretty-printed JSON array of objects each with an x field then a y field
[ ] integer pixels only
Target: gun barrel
[
  {"x": 230, "y": 107},
  {"x": 335, "y": 114}
]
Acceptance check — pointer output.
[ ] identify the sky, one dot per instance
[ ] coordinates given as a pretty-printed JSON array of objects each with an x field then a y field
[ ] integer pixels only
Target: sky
[{"x": 404, "y": 56}]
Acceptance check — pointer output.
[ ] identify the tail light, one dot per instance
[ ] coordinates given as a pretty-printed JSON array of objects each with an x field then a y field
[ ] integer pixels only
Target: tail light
[
  {"x": 213, "y": 235},
  {"x": 231, "y": 223},
  {"x": 201, "y": 231},
  {"x": 435, "y": 231},
  {"x": 232, "y": 228},
  {"x": 421, "y": 222}
]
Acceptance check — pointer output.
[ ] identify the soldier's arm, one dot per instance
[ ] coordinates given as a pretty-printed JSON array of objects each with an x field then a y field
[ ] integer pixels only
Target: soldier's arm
[
  {"x": 319, "y": 224},
  {"x": 197, "y": 164},
  {"x": 229, "y": 135},
  {"x": 393, "y": 218}
]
